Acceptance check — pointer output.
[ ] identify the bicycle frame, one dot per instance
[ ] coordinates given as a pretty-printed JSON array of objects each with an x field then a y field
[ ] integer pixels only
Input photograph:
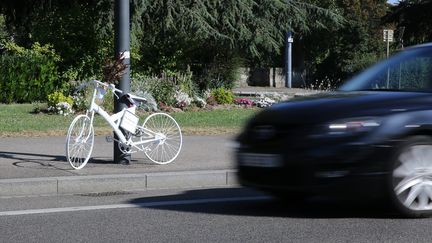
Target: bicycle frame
[
  {"x": 115, "y": 120},
  {"x": 159, "y": 136}
]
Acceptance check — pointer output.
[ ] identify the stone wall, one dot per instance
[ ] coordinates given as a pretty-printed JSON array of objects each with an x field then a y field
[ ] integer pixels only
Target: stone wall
[{"x": 266, "y": 77}]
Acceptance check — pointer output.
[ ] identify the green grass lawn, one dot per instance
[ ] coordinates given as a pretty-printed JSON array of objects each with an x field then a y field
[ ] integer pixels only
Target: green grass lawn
[
  {"x": 18, "y": 120},
  {"x": 213, "y": 122}
]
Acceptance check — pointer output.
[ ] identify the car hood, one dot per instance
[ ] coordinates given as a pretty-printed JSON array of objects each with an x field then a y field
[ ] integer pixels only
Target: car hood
[{"x": 336, "y": 105}]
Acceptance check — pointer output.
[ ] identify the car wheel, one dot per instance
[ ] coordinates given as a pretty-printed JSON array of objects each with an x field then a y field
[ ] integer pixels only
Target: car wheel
[{"x": 411, "y": 177}]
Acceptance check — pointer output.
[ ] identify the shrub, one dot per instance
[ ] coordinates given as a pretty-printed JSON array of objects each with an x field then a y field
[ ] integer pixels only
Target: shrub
[
  {"x": 38, "y": 107},
  {"x": 150, "y": 103},
  {"x": 325, "y": 84},
  {"x": 57, "y": 97},
  {"x": 27, "y": 75},
  {"x": 60, "y": 104},
  {"x": 165, "y": 108},
  {"x": 80, "y": 102},
  {"x": 185, "y": 83},
  {"x": 161, "y": 88},
  {"x": 219, "y": 73},
  {"x": 223, "y": 96},
  {"x": 108, "y": 102},
  {"x": 174, "y": 89},
  {"x": 199, "y": 102}
]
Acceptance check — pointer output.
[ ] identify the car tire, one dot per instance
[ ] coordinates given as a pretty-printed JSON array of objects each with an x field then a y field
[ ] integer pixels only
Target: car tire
[{"x": 410, "y": 177}]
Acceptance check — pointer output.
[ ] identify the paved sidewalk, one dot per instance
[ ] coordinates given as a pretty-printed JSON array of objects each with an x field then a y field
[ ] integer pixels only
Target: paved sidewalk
[{"x": 37, "y": 166}]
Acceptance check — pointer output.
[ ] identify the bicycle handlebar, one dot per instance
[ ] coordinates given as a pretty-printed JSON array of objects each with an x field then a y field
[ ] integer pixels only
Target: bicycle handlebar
[
  {"x": 97, "y": 82},
  {"x": 109, "y": 86}
]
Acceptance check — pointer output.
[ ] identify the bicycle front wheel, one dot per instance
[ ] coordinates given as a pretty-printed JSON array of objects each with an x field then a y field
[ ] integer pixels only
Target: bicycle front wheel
[
  {"x": 168, "y": 137},
  {"x": 79, "y": 141}
]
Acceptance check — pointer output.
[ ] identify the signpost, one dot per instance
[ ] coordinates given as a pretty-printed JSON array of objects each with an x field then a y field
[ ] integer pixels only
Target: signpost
[
  {"x": 122, "y": 50},
  {"x": 388, "y": 37}
]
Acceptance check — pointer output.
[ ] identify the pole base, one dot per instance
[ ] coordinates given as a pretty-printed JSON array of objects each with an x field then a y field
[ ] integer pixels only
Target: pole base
[{"x": 119, "y": 156}]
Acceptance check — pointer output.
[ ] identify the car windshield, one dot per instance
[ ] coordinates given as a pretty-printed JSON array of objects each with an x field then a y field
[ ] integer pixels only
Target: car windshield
[{"x": 410, "y": 70}]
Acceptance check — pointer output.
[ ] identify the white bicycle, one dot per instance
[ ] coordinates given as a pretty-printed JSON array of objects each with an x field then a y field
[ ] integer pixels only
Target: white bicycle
[{"x": 159, "y": 137}]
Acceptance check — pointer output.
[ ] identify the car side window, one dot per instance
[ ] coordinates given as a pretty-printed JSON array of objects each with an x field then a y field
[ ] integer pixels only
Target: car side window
[{"x": 411, "y": 74}]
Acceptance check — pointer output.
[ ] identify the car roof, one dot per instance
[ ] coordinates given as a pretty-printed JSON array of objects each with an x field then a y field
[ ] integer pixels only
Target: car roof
[{"x": 429, "y": 44}]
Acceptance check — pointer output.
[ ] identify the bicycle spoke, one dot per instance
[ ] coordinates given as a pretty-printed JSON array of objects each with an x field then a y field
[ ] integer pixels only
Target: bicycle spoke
[
  {"x": 169, "y": 139},
  {"x": 79, "y": 142}
]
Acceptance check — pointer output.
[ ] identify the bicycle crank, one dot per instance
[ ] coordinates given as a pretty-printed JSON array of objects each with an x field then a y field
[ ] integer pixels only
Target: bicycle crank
[{"x": 124, "y": 148}]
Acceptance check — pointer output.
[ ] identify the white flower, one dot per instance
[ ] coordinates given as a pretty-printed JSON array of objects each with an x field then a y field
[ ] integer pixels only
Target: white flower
[
  {"x": 207, "y": 94},
  {"x": 182, "y": 98},
  {"x": 61, "y": 108},
  {"x": 265, "y": 102},
  {"x": 200, "y": 102}
]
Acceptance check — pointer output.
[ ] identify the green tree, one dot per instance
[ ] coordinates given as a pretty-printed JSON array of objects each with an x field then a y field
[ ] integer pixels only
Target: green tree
[
  {"x": 206, "y": 34},
  {"x": 81, "y": 31},
  {"x": 28, "y": 75},
  {"x": 414, "y": 17},
  {"x": 3, "y": 31},
  {"x": 336, "y": 53},
  {"x": 201, "y": 35}
]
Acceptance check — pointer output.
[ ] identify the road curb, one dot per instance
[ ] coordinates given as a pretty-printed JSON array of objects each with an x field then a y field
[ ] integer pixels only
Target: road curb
[{"x": 116, "y": 182}]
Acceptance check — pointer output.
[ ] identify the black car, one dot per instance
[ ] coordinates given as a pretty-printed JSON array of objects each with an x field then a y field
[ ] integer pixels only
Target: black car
[{"x": 372, "y": 137}]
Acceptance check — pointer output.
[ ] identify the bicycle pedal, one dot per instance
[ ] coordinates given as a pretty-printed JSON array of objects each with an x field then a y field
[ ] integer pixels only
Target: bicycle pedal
[{"x": 109, "y": 139}]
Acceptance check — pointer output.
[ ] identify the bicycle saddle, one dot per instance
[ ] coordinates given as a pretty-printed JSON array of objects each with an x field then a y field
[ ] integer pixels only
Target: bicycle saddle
[{"x": 131, "y": 100}]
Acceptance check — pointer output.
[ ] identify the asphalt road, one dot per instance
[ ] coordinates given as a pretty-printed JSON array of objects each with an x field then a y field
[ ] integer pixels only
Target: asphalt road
[{"x": 205, "y": 215}]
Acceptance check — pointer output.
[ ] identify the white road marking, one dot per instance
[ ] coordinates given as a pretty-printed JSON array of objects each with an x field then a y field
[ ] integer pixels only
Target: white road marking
[{"x": 130, "y": 205}]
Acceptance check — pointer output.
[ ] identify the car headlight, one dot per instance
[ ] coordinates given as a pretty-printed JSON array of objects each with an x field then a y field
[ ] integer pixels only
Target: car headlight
[{"x": 353, "y": 126}]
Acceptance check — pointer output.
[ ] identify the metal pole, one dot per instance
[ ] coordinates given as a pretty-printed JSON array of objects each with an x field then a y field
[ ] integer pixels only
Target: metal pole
[
  {"x": 388, "y": 70},
  {"x": 388, "y": 47},
  {"x": 288, "y": 59},
  {"x": 122, "y": 49}
]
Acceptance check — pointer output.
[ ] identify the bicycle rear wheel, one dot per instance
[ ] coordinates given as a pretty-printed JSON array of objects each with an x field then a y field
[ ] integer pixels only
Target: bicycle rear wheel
[
  {"x": 79, "y": 142},
  {"x": 168, "y": 136}
]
